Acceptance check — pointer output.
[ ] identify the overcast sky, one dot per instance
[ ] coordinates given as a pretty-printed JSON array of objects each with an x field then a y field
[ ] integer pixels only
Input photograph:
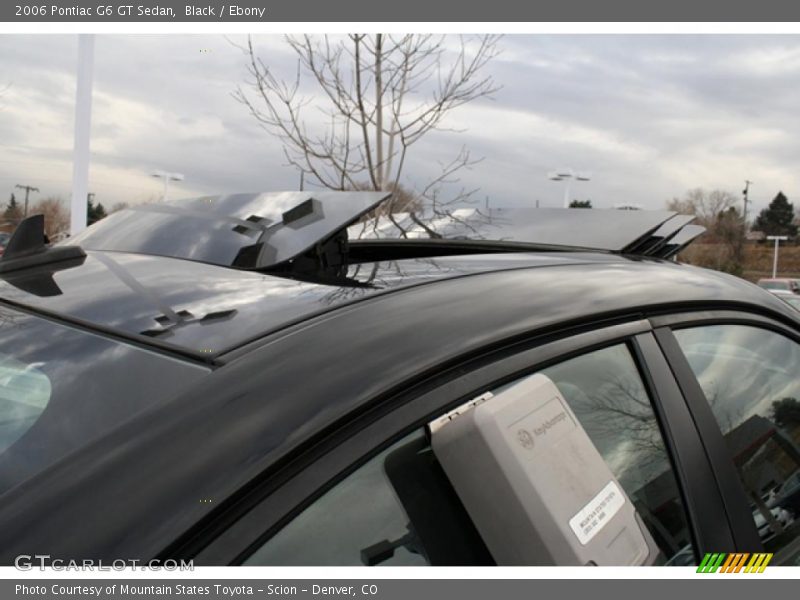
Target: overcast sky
[{"x": 648, "y": 116}]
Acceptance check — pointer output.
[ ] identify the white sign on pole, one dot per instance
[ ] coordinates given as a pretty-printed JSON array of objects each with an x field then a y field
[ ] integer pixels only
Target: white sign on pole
[{"x": 778, "y": 239}]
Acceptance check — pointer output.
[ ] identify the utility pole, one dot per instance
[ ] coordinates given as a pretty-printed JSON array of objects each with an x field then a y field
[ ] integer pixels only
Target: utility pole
[
  {"x": 747, "y": 184},
  {"x": 28, "y": 189}
]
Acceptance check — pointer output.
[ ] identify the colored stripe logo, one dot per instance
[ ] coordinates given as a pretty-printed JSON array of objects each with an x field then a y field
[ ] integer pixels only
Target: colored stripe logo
[{"x": 737, "y": 562}]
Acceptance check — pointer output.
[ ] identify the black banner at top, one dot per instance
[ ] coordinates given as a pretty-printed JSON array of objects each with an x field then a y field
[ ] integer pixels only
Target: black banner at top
[{"x": 133, "y": 11}]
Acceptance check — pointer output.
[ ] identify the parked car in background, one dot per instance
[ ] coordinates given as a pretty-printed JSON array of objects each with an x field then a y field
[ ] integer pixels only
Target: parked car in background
[
  {"x": 780, "y": 284},
  {"x": 259, "y": 379},
  {"x": 790, "y": 299},
  {"x": 765, "y": 530},
  {"x": 4, "y": 237},
  {"x": 787, "y": 495}
]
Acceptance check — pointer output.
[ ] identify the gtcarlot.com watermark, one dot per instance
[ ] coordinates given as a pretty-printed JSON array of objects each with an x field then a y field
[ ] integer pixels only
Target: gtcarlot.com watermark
[{"x": 29, "y": 562}]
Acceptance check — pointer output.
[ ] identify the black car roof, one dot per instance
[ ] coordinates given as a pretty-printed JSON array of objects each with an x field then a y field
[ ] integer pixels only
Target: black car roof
[
  {"x": 290, "y": 387},
  {"x": 301, "y": 356},
  {"x": 203, "y": 276},
  {"x": 207, "y": 310}
]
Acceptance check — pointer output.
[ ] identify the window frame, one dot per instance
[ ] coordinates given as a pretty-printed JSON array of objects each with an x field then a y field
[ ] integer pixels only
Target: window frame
[
  {"x": 737, "y": 504},
  {"x": 305, "y": 483}
]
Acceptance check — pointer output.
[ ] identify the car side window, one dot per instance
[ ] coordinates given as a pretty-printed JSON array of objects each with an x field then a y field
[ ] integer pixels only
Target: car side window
[
  {"x": 396, "y": 509},
  {"x": 607, "y": 395},
  {"x": 751, "y": 379},
  {"x": 399, "y": 508}
]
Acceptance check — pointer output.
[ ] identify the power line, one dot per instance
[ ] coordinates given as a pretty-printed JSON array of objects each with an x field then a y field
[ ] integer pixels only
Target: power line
[{"x": 745, "y": 191}]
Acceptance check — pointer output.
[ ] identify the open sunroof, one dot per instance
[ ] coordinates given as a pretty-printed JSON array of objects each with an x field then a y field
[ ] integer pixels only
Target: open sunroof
[
  {"x": 311, "y": 231},
  {"x": 596, "y": 229},
  {"x": 243, "y": 230},
  {"x": 680, "y": 240}
]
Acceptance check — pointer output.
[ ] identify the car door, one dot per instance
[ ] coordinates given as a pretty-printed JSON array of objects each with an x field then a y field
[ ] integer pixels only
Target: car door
[
  {"x": 380, "y": 497},
  {"x": 741, "y": 376}
]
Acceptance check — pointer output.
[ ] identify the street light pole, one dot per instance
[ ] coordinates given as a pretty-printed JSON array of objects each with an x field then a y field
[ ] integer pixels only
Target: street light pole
[
  {"x": 167, "y": 178},
  {"x": 83, "y": 119},
  {"x": 778, "y": 239},
  {"x": 567, "y": 175}
]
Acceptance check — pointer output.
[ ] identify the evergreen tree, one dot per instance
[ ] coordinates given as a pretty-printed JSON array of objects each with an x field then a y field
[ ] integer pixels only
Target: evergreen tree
[
  {"x": 94, "y": 212},
  {"x": 13, "y": 211},
  {"x": 580, "y": 204},
  {"x": 777, "y": 218},
  {"x": 786, "y": 412}
]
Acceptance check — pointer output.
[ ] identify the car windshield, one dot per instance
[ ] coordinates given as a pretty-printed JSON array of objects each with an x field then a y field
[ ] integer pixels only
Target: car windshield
[
  {"x": 62, "y": 388},
  {"x": 775, "y": 285},
  {"x": 24, "y": 395}
]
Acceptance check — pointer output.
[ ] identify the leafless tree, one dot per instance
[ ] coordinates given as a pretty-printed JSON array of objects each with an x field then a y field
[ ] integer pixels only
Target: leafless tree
[
  {"x": 380, "y": 96},
  {"x": 56, "y": 215},
  {"x": 706, "y": 206},
  {"x": 621, "y": 404},
  {"x": 718, "y": 212}
]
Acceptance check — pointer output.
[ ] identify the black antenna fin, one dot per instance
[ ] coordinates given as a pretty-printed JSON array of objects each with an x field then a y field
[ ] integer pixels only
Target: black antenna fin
[
  {"x": 29, "y": 238},
  {"x": 28, "y": 248}
]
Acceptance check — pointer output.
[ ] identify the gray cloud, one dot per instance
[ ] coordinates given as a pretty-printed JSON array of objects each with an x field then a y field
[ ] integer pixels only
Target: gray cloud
[{"x": 649, "y": 116}]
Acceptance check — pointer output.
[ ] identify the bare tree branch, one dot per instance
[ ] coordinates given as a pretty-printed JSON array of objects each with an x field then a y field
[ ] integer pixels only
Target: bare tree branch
[{"x": 394, "y": 90}]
